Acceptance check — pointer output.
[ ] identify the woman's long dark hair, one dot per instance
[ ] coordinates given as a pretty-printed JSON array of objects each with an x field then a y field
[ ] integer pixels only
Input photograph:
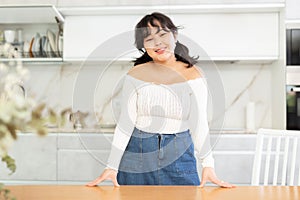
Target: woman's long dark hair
[{"x": 141, "y": 31}]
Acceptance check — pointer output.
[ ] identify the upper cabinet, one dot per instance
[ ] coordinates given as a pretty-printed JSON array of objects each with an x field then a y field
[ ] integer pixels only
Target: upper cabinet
[
  {"x": 292, "y": 14},
  {"x": 228, "y": 32},
  {"x": 36, "y": 32},
  {"x": 104, "y": 37},
  {"x": 293, "y": 10},
  {"x": 232, "y": 36},
  {"x": 92, "y": 3},
  {"x": 29, "y": 14}
]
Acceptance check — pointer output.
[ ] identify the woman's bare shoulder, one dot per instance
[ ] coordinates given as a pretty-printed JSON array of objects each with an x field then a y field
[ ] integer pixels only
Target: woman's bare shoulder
[
  {"x": 138, "y": 70},
  {"x": 194, "y": 72}
]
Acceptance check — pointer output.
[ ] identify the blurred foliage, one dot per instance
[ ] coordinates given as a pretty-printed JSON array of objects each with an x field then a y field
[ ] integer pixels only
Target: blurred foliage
[{"x": 18, "y": 111}]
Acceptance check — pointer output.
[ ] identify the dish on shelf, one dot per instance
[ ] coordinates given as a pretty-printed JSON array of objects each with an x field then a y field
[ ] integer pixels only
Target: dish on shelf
[
  {"x": 30, "y": 48},
  {"x": 26, "y": 48},
  {"x": 49, "y": 50},
  {"x": 52, "y": 41},
  {"x": 58, "y": 43},
  {"x": 36, "y": 45},
  {"x": 42, "y": 46}
]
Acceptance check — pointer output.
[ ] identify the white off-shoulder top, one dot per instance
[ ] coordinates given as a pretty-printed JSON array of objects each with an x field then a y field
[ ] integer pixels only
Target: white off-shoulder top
[{"x": 165, "y": 109}]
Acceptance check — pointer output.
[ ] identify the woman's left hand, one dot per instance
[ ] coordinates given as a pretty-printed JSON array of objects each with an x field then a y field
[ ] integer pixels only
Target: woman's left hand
[{"x": 208, "y": 174}]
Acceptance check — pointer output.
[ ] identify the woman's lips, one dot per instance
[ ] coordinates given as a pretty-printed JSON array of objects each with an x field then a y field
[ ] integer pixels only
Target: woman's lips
[{"x": 160, "y": 51}]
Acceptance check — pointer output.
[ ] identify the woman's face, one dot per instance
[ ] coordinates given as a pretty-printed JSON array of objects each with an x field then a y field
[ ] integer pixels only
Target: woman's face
[{"x": 160, "y": 44}]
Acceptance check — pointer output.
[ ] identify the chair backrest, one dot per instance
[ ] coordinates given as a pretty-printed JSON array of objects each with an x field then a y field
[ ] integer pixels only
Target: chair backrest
[{"x": 276, "y": 153}]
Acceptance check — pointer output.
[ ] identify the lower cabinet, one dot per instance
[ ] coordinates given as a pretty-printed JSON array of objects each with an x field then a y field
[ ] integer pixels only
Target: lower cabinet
[
  {"x": 71, "y": 158},
  {"x": 35, "y": 159},
  {"x": 81, "y": 157},
  {"x": 80, "y": 165},
  {"x": 234, "y": 155}
]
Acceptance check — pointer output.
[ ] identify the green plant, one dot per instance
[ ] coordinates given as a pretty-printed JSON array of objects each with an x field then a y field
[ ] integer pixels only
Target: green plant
[
  {"x": 19, "y": 112},
  {"x": 5, "y": 193}
]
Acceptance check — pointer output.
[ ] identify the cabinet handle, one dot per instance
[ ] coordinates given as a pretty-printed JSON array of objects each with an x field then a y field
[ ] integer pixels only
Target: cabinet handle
[{"x": 295, "y": 89}]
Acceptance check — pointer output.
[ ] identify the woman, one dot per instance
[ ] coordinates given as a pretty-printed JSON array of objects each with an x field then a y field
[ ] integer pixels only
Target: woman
[{"x": 163, "y": 117}]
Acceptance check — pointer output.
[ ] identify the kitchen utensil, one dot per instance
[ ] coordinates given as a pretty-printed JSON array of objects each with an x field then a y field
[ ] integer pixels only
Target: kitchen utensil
[
  {"x": 10, "y": 35},
  {"x": 19, "y": 35}
]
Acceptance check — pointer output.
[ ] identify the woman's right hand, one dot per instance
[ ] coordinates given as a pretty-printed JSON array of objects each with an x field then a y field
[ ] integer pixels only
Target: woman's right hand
[{"x": 107, "y": 174}]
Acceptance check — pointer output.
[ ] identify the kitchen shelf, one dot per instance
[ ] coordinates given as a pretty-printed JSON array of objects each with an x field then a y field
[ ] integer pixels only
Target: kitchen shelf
[
  {"x": 170, "y": 9},
  {"x": 270, "y": 58},
  {"x": 258, "y": 59},
  {"x": 27, "y": 60},
  {"x": 32, "y": 19},
  {"x": 245, "y": 60},
  {"x": 292, "y": 24},
  {"x": 29, "y": 14}
]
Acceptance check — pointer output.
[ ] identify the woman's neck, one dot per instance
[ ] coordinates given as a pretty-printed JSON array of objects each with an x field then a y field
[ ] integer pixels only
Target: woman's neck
[{"x": 171, "y": 62}]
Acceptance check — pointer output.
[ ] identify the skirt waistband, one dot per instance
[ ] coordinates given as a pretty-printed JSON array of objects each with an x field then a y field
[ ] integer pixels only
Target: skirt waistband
[{"x": 178, "y": 134}]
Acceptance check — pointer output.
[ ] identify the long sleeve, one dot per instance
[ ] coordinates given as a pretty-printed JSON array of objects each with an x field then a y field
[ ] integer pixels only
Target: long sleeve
[
  {"x": 125, "y": 124},
  {"x": 199, "y": 123}
]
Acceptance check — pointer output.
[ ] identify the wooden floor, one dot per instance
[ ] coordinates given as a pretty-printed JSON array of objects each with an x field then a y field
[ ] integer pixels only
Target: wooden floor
[{"x": 64, "y": 192}]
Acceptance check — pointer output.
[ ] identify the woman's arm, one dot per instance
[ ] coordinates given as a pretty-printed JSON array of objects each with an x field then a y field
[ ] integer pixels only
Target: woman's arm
[
  {"x": 200, "y": 132},
  {"x": 199, "y": 123},
  {"x": 122, "y": 134}
]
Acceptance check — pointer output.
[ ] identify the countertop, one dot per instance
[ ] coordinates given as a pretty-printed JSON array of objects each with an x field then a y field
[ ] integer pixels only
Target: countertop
[
  {"x": 69, "y": 192},
  {"x": 111, "y": 130}
]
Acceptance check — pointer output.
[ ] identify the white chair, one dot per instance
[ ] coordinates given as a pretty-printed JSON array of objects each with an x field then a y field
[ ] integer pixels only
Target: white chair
[{"x": 278, "y": 158}]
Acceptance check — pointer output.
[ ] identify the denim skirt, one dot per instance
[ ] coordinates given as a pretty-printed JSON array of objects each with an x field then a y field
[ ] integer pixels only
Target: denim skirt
[{"x": 158, "y": 159}]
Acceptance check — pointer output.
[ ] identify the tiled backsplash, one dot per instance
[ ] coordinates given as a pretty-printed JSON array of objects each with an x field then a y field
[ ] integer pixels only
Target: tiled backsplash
[{"x": 56, "y": 85}]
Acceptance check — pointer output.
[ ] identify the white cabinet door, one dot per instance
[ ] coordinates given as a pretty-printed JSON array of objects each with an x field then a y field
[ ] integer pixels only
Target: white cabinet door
[
  {"x": 98, "y": 37},
  {"x": 232, "y": 35},
  {"x": 35, "y": 159},
  {"x": 234, "y": 154},
  {"x": 228, "y": 35},
  {"x": 293, "y": 9},
  {"x": 28, "y": 2},
  {"x": 82, "y": 157},
  {"x": 80, "y": 165},
  {"x": 66, "y": 3}
]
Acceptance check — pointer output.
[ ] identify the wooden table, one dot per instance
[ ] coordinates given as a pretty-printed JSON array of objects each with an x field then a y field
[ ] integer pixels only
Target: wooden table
[{"x": 64, "y": 192}]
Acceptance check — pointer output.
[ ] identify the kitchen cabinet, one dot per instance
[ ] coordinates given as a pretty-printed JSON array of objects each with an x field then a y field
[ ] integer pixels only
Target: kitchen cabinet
[
  {"x": 292, "y": 14},
  {"x": 80, "y": 157},
  {"x": 228, "y": 35},
  {"x": 292, "y": 10},
  {"x": 99, "y": 37},
  {"x": 234, "y": 154},
  {"x": 41, "y": 38},
  {"x": 231, "y": 32},
  {"x": 72, "y": 3},
  {"x": 233, "y": 36},
  {"x": 35, "y": 158},
  {"x": 28, "y": 2}
]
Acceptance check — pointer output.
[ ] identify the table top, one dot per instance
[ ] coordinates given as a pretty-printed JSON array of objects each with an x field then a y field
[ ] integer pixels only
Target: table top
[{"x": 68, "y": 192}]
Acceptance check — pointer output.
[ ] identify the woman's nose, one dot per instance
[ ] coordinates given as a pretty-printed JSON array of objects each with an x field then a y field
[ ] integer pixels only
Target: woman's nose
[{"x": 157, "y": 41}]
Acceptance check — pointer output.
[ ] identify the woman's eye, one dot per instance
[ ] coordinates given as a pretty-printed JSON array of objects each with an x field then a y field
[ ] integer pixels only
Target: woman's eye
[
  {"x": 148, "y": 40},
  {"x": 162, "y": 34}
]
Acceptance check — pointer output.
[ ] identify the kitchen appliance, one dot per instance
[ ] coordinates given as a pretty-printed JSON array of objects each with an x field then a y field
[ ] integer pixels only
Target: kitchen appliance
[
  {"x": 293, "y": 98},
  {"x": 293, "y": 46}
]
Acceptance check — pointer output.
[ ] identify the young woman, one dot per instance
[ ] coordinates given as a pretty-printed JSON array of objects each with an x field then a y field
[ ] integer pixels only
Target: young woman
[{"x": 163, "y": 117}]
